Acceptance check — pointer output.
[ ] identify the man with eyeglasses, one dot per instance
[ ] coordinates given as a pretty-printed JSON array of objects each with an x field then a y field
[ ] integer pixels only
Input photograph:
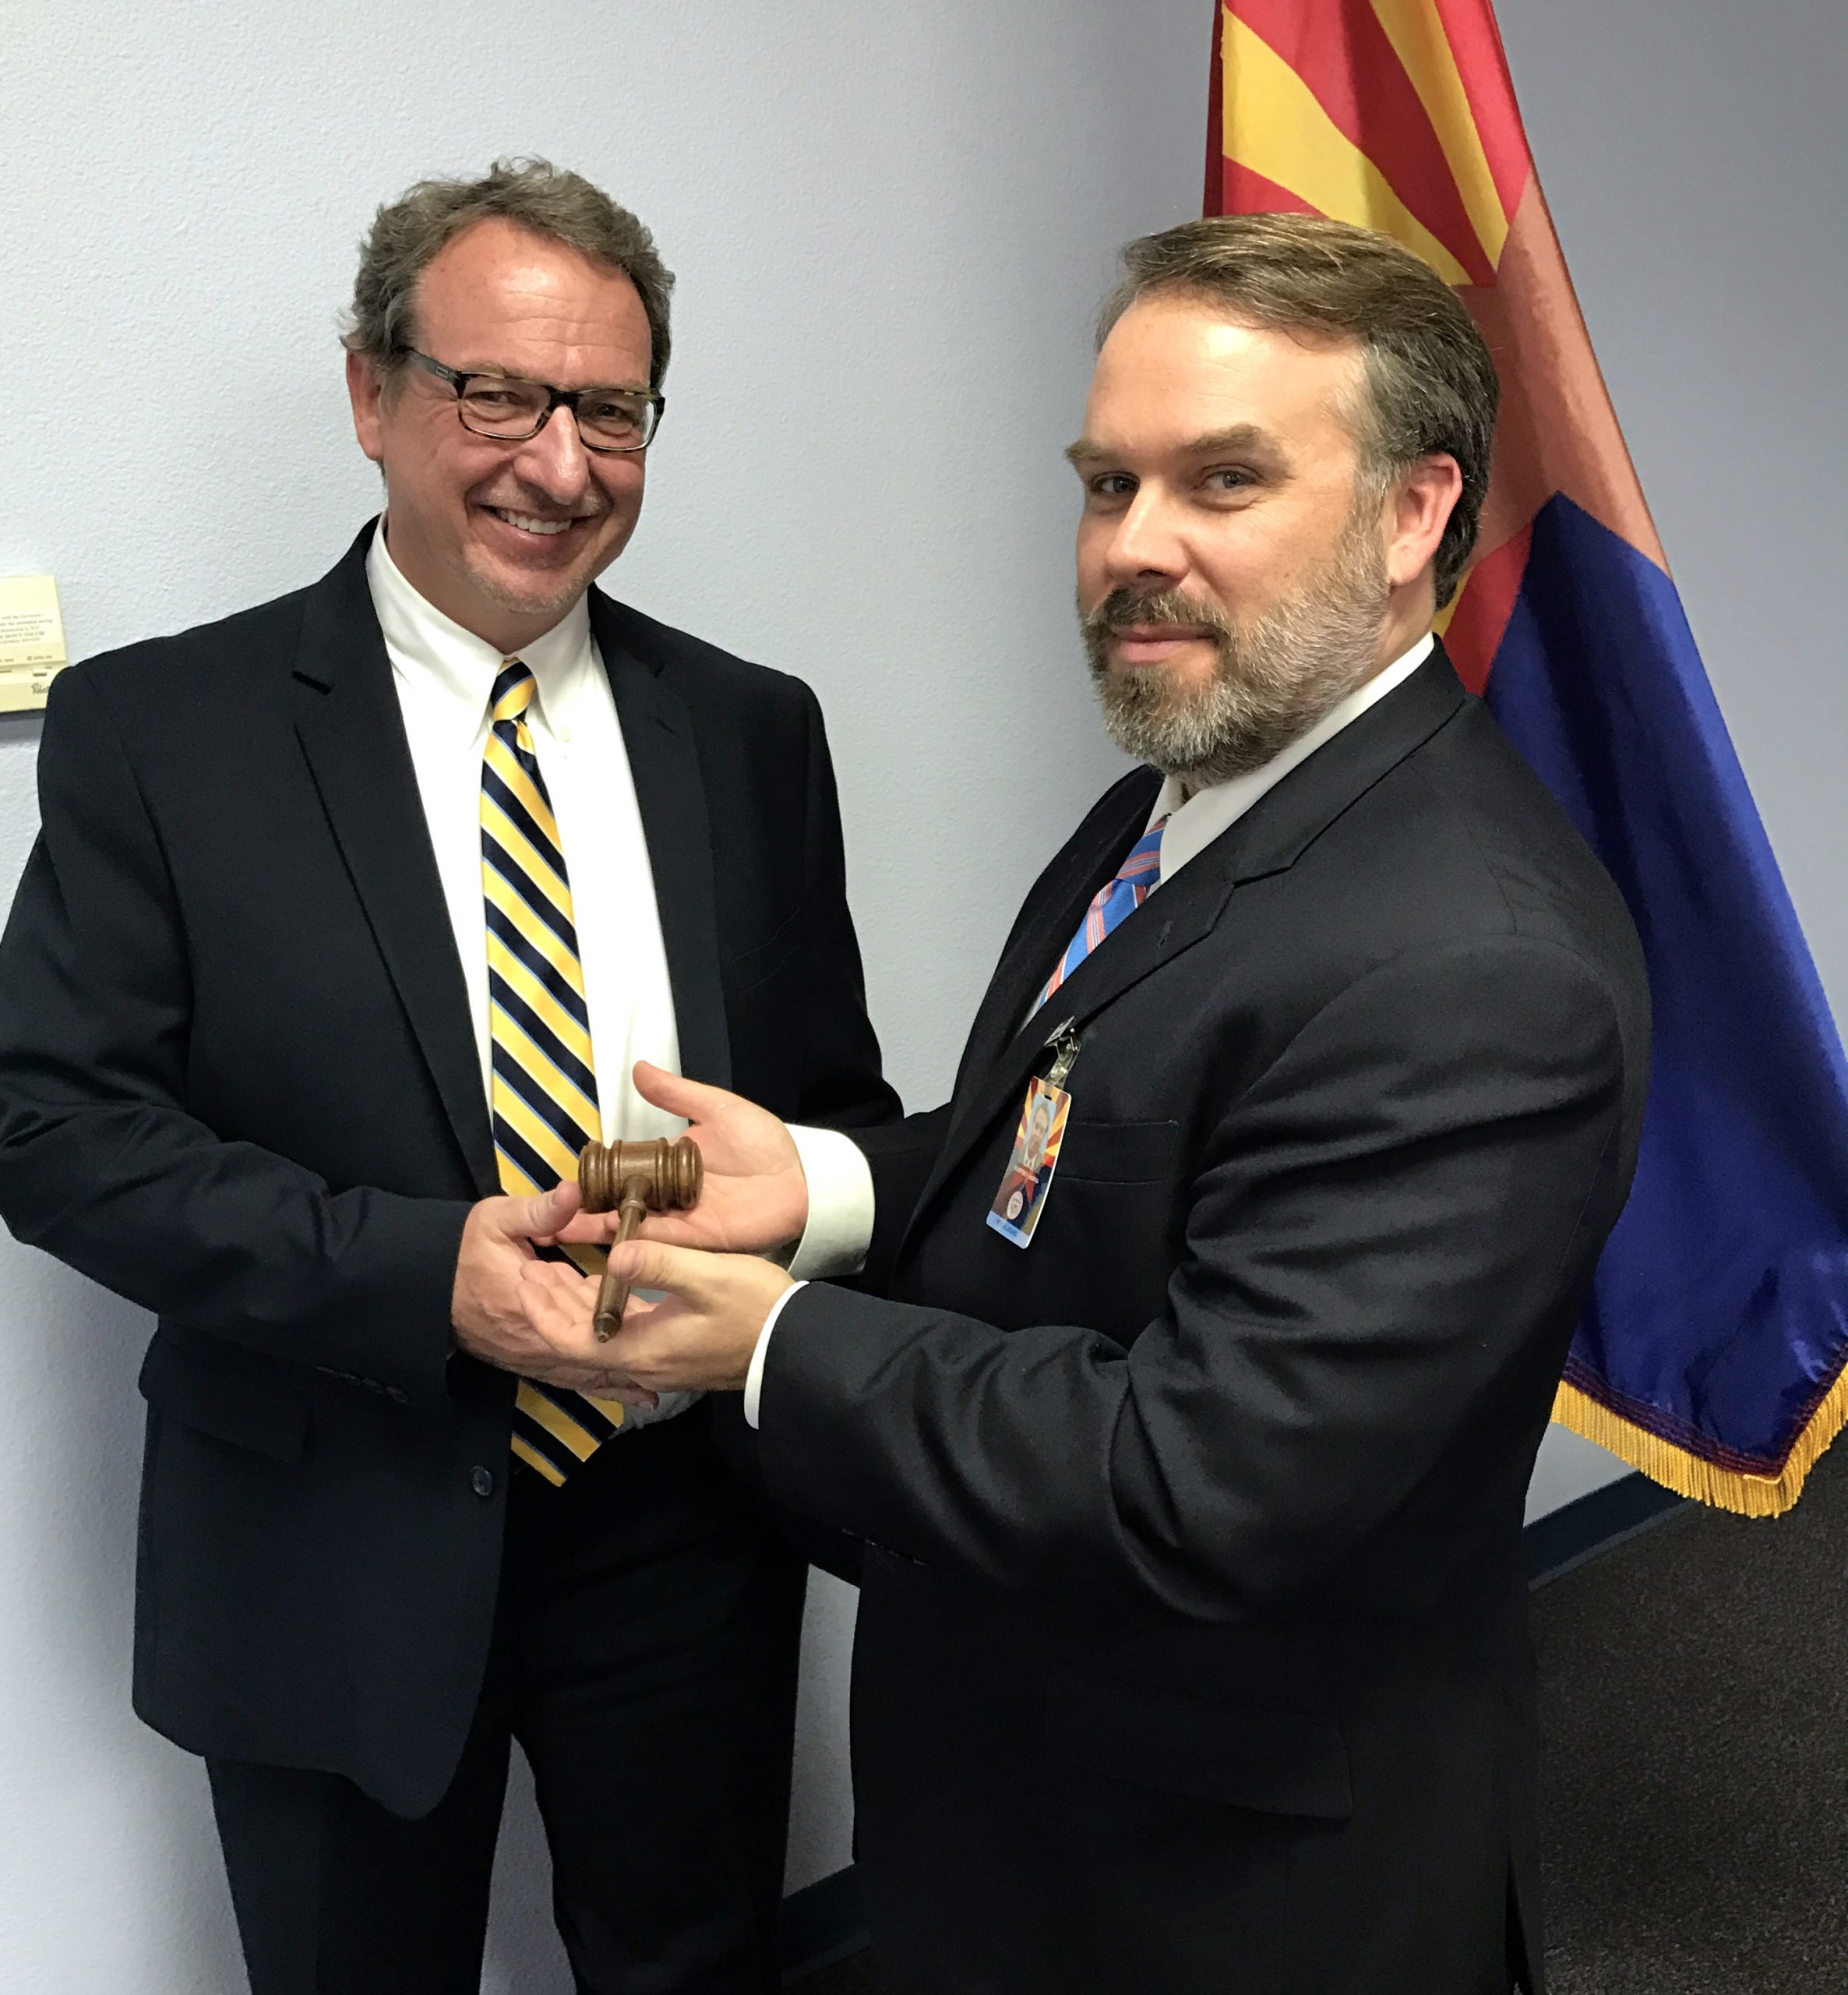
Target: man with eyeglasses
[{"x": 350, "y": 919}]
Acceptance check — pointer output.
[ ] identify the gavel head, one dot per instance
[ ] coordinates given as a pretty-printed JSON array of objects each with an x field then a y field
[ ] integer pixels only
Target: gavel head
[{"x": 662, "y": 1175}]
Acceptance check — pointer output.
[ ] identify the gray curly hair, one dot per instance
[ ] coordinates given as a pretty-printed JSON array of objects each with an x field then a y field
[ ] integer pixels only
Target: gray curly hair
[{"x": 407, "y": 234}]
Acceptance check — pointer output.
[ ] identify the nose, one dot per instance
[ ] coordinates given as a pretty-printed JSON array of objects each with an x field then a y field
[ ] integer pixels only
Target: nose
[
  {"x": 554, "y": 460},
  {"x": 1145, "y": 548}
]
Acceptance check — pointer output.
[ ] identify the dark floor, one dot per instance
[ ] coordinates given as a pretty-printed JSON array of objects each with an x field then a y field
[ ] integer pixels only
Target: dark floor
[
  {"x": 1695, "y": 1697},
  {"x": 1696, "y": 1795}
]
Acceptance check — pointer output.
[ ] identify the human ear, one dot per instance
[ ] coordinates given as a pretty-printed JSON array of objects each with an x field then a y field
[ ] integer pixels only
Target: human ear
[
  {"x": 1423, "y": 497},
  {"x": 365, "y": 389}
]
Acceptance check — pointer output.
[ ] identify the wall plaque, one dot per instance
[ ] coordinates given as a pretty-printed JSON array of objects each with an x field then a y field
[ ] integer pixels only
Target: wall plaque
[{"x": 31, "y": 640}]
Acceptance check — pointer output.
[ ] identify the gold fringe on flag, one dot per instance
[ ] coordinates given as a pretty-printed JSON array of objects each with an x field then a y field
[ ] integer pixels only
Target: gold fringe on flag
[{"x": 1690, "y": 1474}]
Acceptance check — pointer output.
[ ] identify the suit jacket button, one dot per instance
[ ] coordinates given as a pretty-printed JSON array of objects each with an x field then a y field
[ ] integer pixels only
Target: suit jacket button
[{"x": 482, "y": 1480}]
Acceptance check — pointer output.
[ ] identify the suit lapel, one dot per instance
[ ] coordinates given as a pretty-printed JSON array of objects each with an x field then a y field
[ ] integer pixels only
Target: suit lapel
[
  {"x": 1269, "y": 839},
  {"x": 352, "y": 732},
  {"x": 1171, "y": 921},
  {"x": 664, "y": 760},
  {"x": 1047, "y": 923}
]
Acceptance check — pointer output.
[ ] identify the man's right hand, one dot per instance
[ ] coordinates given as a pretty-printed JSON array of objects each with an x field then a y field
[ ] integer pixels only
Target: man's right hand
[
  {"x": 489, "y": 1299},
  {"x": 756, "y": 1197},
  {"x": 487, "y": 1307}
]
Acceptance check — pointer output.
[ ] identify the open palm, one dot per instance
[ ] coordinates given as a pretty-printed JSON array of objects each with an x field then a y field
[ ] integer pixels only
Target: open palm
[{"x": 755, "y": 1199}]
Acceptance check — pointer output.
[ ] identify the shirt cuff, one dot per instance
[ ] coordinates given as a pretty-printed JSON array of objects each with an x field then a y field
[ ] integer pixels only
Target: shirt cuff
[
  {"x": 753, "y": 1378},
  {"x": 841, "y": 1205}
]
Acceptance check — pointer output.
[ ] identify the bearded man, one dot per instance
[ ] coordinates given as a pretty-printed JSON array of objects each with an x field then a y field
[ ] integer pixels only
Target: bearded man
[{"x": 1192, "y": 1651}]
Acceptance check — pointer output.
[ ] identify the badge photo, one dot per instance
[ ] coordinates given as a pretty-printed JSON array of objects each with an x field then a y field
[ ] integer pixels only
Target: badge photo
[{"x": 1018, "y": 1204}]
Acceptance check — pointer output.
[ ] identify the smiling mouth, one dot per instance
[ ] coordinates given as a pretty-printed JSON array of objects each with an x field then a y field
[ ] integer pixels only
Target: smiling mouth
[{"x": 530, "y": 522}]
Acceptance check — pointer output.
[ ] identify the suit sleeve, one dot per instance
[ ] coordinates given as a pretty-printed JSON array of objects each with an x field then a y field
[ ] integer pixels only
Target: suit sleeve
[
  {"x": 1384, "y": 1245},
  {"x": 901, "y": 1155},
  {"x": 101, "y": 1163}
]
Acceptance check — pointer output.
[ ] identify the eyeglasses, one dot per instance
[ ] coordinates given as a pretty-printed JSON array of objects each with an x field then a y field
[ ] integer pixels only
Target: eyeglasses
[{"x": 497, "y": 405}]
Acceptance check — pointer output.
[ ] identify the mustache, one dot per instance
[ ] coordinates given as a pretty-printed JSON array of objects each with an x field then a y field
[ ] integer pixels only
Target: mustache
[
  {"x": 1124, "y": 608},
  {"x": 542, "y": 508}
]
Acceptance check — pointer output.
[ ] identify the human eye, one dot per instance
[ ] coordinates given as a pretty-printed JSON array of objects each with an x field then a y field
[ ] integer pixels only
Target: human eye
[
  {"x": 490, "y": 398},
  {"x": 1104, "y": 487},
  {"x": 613, "y": 414},
  {"x": 1228, "y": 478},
  {"x": 612, "y": 406}
]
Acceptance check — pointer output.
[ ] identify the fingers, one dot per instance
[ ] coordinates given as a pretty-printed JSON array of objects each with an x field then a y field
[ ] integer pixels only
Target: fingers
[
  {"x": 589, "y": 1229},
  {"x": 625, "y": 1390},
  {"x": 678, "y": 1230},
  {"x": 693, "y": 1100},
  {"x": 544, "y": 1215},
  {"x": 653, "y": 1264},
  {"x": 558, "y": 1275},
  {"x": 558, "y": 1303}
]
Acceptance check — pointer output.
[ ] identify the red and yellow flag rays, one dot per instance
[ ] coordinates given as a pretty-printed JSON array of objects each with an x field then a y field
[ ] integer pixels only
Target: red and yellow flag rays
[
  {"x": 1365, "y": 117},
  {"x": 1400, "y": 115},
  {"x": 1713, "y": 1352}
]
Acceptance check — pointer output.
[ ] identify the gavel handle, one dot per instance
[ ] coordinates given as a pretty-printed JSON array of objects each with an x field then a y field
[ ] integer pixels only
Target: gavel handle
[{"x": 612, "y": 1296}]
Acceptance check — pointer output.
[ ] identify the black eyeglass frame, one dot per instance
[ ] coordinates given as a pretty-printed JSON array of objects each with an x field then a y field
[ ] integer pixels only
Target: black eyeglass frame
[{"x": 558, "y": 398}]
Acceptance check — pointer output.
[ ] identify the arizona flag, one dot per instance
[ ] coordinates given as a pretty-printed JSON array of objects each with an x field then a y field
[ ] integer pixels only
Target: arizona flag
[{"x": 1712, "y": 1356}]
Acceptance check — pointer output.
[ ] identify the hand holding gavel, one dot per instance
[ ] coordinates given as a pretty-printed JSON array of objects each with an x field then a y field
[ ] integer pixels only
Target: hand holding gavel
[{"x": 634, "y": 1180}]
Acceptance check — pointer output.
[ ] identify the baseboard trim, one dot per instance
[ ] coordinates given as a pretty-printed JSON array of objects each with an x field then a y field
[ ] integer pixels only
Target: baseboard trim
[
  {"x": 823, "y": 1922},
  {"x": 1592, "y": 1524},
  {"x": 826, "y": 1922}
]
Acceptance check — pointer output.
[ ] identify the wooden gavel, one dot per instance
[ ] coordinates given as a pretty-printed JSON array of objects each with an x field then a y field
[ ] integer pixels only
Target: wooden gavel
[{"x": 635, "y": 1179}]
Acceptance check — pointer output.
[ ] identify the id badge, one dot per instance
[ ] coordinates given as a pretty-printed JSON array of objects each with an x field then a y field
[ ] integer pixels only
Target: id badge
[{"x": 1022, "y": 1197}]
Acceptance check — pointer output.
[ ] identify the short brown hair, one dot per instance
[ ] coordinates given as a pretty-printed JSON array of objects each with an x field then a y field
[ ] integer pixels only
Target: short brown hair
[
  {"x": 407, "y": 233},
  {"x": 1431, "y": 385}
]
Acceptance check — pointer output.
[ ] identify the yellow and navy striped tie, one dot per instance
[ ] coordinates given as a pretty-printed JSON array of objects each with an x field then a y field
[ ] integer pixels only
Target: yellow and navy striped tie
[{"x": 544, "y": 1091}]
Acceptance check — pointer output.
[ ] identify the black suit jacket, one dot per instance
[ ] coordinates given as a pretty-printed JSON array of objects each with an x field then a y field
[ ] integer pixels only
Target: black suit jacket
[
  {"x": 238, "y": 1085},
  {"x": 1191, "y": 1650}
]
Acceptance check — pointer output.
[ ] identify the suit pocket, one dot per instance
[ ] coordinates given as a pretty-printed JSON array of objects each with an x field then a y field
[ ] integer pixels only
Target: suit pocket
[
  {"x": 1118, "y": 1153},
  {"x": 1280, "y": 1762},
  {"x": 225, "y": 1397}
]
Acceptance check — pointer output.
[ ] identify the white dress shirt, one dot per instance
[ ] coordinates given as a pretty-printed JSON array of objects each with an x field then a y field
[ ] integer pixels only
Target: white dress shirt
[
  {"x": 444, "y": 677},
  {"x": 1194, "y": 819}
]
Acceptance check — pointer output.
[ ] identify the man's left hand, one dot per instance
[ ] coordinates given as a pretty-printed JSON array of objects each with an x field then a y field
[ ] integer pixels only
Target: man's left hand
[{"x": 699, "y": 1337}]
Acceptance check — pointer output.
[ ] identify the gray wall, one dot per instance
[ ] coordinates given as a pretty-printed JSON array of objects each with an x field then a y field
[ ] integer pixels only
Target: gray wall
[{"x": 891, "y": 225}]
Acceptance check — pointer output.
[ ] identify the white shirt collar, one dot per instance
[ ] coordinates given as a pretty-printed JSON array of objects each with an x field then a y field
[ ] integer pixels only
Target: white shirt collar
[
  {"x": 1195, "y": 822},
  {"x": 451, "y": 672}
]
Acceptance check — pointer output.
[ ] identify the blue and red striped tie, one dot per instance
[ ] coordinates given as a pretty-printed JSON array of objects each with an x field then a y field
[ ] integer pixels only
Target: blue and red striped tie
[{"x": 1109, "y": 905}]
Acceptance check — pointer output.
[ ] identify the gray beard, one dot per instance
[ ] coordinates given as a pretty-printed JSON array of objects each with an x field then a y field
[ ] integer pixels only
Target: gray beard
[{"x": 1274, "y": 678}]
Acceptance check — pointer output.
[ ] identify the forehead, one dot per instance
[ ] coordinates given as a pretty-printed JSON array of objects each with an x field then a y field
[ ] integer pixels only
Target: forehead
[
  {"x": 1175, "y": 369},
  {"x": 498, "y": 295}
]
